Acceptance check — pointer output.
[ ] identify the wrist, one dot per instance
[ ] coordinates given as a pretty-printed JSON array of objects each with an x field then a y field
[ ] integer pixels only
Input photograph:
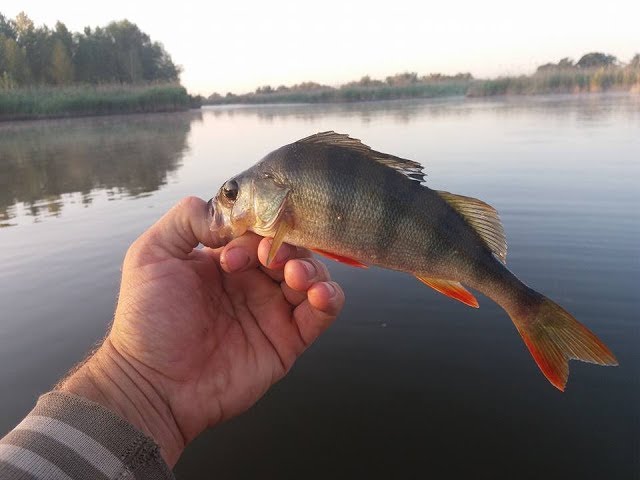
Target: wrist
[{"x": 110, "y": 380}]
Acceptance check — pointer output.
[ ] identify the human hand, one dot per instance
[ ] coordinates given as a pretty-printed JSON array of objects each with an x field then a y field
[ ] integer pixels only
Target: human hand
[{"x": 199, "y": 335}]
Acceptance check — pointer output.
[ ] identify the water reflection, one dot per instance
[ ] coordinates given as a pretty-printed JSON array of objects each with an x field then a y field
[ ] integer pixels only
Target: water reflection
[
  {"x": 47, "y": 165},
  {"x": 402, "y": 111},
  {"x": 586, "y": 107},
  {"x": 44, "y": 165}
]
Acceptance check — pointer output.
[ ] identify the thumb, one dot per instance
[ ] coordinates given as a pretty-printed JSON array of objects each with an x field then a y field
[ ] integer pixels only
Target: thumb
[{"x": 178, "y": 232}]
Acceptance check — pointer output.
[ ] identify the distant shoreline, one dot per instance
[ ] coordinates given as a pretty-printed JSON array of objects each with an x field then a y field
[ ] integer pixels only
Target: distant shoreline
[
  {"x": 312, "y": 101},
  {"x": 548, "y": 79},
  {"x": 40, "y": 103}
]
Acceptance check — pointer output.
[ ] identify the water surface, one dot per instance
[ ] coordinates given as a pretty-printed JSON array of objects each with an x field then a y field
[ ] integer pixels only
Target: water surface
[{"x": 407, "y": 383}]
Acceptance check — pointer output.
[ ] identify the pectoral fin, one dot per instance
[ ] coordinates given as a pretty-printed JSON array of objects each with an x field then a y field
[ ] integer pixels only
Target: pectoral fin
[
  {"x": 450, "y": 289},
  {"x": 278, "y": 238}
]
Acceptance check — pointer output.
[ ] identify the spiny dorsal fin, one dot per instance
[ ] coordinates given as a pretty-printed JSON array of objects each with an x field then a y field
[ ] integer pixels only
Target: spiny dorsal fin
[
  {"x": 483, "y": 219},
  {"x": 409, "y": 168}
]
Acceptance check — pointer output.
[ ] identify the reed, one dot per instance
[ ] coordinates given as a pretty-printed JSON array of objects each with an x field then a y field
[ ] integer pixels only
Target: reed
[
  {"x": 571, "y": 80},
  {"x": 84, "y": 100},
  {"x": 350, "y": 93}
]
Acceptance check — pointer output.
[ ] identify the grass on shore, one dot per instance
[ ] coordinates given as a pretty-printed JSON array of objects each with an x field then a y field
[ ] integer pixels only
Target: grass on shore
[
  {"x": 82, "y": 100},
  {"x": 571, "y": 80},
  {"x": 560, "y": 81},
  {"x": 352, "y": 93}
]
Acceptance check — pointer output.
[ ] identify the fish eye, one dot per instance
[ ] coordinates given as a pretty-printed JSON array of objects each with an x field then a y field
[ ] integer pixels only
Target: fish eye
[{"x": 230, "y": 190}]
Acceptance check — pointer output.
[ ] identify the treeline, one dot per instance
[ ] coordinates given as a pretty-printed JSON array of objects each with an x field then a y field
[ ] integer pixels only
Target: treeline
[
  {"x": 593, "y": 72},
  {"x": 117, "y": 53}
]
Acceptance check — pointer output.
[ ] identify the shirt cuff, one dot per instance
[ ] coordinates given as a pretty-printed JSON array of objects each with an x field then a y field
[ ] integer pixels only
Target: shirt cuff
[{"x": 69, "y": 437}]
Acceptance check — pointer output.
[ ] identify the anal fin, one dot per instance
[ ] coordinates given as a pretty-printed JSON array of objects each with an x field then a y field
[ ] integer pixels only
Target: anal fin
[
  {"x": 451, "y": 289},
  {"x": 340, "y": 258}
]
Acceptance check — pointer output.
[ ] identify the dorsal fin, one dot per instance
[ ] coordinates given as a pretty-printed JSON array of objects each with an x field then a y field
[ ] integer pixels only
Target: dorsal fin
[
  {"x": 409, "y": 168},
  {"x": 483, "y": 219}
]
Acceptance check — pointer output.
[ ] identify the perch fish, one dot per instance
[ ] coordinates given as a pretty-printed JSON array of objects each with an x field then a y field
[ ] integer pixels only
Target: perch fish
[{"x": 340, "y": 198}]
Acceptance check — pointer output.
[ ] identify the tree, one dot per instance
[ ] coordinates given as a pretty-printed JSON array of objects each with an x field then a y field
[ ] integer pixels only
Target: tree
[
  {"x": 566, "y": 62},
  {"x": 61, "y": 66},
  {"x": 62, "y": 33},
  {"x": 127, "y": 41},
  {"x": 402, "y": 79},
  {"x": 7, "y": 27},
  {"x": 39, "y": 54},
  {"x": 635, "y": 61},
  {"x": 265, "y": 89},
  {"x": 15, "y": 62},
  {"x": 94, "y": 57},
  {"x": 137, "y": 57},
  {"x": 597, "y": 60},
  {"x": 23, "y": 26},
  {"x": 119, "y": 52}
]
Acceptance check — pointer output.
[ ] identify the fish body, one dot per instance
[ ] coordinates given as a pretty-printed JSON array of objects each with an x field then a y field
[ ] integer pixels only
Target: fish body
[{"x": 334, "y": 195}]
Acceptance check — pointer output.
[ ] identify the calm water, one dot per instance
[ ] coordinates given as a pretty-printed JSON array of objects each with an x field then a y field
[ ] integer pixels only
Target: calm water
[{"x": 407, "y": 383}]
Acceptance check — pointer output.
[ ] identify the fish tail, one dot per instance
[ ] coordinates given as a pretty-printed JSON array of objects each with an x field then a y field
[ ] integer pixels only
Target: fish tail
[{"x": 554, "y": 336}]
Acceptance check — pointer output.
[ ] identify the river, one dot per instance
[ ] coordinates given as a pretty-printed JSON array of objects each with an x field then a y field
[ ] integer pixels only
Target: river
[{"x": 407, "y": 383}]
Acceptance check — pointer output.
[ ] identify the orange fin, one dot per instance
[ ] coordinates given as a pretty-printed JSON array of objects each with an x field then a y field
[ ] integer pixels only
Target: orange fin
[
  {"x": 554, "y": 337},
  {"x": 340, "y": 258},
  {"x": 451, "y": 289},
  {"x": 278, "y": 238}
]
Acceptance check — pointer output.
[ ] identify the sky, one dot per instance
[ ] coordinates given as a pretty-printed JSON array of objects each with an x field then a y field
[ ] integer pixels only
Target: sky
[{"x": 238, "y": 45}]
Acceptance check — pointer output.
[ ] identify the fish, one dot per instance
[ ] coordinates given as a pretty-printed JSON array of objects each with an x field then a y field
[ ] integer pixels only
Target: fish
[{"x": 338, "y": 197}]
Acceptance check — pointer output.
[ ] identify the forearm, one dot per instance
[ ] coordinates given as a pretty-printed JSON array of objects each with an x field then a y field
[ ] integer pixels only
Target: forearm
[
  {"x": 103, "y": 421},
  {"x": 108, "y": 379}
]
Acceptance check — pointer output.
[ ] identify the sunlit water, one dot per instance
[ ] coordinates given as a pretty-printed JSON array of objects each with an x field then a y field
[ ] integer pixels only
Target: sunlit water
[{"x": 407, "y": 383}]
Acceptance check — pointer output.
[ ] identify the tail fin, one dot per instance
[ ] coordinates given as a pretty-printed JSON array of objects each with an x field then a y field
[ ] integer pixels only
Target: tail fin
[{"x": 554, "y": 337}]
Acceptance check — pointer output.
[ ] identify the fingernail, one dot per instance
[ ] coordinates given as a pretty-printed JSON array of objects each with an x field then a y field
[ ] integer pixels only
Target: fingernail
[
  {"x": 236, "y": 259},
  {"x": 332, "y": 289},
  {"x": 310, "y": 269},
  {"x": 282, "y": 255}
]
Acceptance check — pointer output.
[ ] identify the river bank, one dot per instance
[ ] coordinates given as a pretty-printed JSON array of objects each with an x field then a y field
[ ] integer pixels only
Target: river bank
[
  {"x": 90, "y": 100},
  {"x": 32, "y": 103},
  {"x": 409, "y": 85}
]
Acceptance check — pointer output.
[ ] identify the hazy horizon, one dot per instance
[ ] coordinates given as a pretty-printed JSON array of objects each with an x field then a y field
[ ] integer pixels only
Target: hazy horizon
[{"x": 240, "y": 46}]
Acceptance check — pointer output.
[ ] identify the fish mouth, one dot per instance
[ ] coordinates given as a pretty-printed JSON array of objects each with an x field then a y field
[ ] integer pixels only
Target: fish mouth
[{"x": 221, "y": 232}]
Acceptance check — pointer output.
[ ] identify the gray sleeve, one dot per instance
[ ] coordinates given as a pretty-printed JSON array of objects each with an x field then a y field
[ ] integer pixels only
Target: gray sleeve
[{"x": 68, "y": 437}]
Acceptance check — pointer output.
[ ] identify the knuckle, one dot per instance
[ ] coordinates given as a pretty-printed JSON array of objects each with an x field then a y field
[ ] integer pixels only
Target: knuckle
[
  {"x": 134, "y": 251},
  {"x": 190, "y": 203},
  {"x": 323, "y": 271}
]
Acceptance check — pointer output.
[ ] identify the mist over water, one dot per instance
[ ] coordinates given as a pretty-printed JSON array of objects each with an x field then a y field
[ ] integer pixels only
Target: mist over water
[{"x": 407, "y": 383}]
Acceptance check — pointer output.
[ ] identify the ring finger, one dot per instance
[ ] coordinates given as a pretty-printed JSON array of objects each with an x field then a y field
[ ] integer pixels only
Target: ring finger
[{"x": 299, "y": 276}]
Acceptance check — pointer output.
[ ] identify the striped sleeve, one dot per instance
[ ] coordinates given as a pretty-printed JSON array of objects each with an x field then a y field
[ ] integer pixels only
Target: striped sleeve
[{"x": 68, "y": 437}]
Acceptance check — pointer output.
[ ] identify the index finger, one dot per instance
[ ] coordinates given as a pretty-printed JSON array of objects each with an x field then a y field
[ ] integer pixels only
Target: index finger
[
  {"x": 251, "y": 250},
  {"x": 285, "y": 253}
]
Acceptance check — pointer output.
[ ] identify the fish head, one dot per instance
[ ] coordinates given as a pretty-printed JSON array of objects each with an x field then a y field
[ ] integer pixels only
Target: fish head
[{"x": 254, "y": 200}]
